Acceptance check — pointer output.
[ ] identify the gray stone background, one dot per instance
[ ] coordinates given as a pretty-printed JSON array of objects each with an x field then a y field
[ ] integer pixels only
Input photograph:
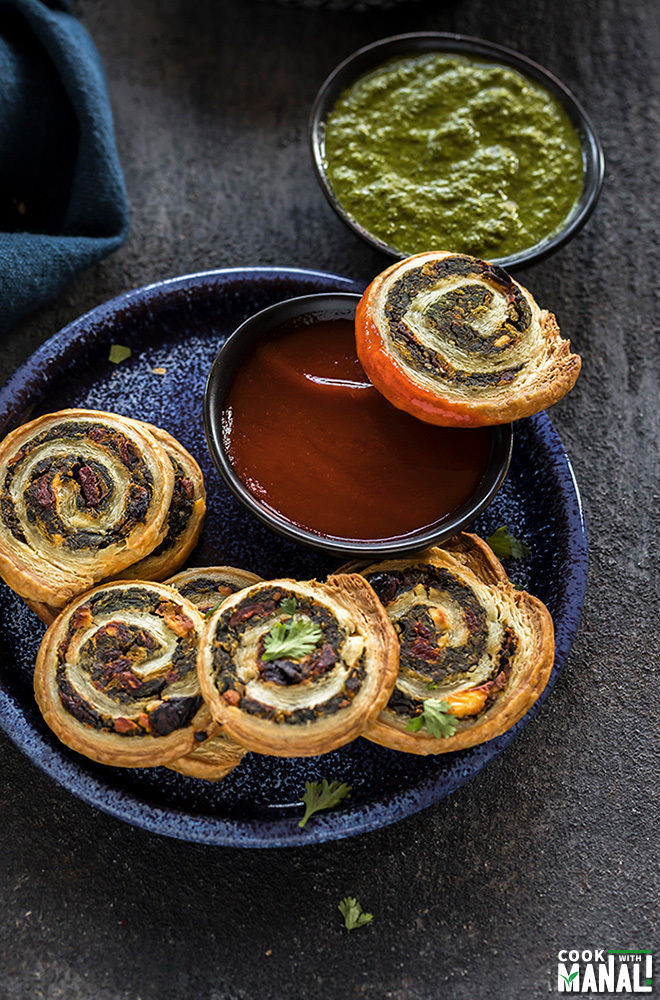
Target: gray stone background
[{"x": 553, "y": 845}]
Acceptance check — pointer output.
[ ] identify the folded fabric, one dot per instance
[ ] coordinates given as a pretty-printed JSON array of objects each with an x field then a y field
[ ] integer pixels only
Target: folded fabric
[{"x": 62, "y": 198}]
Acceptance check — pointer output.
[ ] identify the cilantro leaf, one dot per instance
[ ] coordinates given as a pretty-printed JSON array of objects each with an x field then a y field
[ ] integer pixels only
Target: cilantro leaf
[
  {"x": 119, "y": 353},
  {"x": 437, "y": 717},
  {"x": 293, "y": 639},
  {"x": 507, "y": 546},
  {"x": 322, "y": 795},
  {"x": 353, "y": 914},
  {"x": 289, "y": 605}
]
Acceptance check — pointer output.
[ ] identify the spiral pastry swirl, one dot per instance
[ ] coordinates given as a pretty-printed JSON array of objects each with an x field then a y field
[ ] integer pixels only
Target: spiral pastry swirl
[
  {"x": 296, "y": 669},
  {"x": 207, "y": 587},
  {"x": 116, "y": 675},
  {"x": 469, "y": 640},
  {"x": 83, "y": 494},
  {"x": 456, "y": 341}
]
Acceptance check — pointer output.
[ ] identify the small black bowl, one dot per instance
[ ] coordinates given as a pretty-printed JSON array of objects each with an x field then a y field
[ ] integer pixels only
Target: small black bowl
[
  {"x": 372, "y": 56},
  {"x": 314, "y": 308}
]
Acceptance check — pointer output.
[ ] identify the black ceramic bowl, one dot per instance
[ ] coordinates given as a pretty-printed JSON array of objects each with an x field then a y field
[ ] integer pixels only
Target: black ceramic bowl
[
  {"x": 312, "y": 308},
  {"x": 372, "y": 56}
]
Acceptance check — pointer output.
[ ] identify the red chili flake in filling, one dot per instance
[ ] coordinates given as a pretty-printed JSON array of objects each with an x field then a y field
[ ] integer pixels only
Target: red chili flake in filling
[
  {"x": 125, "y": 451},
  {"x": 423, "y": 646},
  {"x": 250, "y": 610},
  {"x": 325, "y": 657},
  {"x": 422, "y": 649},
  {"x": 471, "y": 620},
  {"x": 44, "y": 493},
  {"x": 231, "y": 697},
  {"x": 174, "y": 619},
  {"x": 117, "y": 664},
  {"x": 81, "y": 618},
  {"x": 123, "y": 725},
  {"x": 129, "y": 681},
  {"x": 89, "y": 485}
]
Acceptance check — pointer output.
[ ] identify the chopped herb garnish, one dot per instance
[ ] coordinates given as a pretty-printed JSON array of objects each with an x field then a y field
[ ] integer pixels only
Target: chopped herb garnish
[
  {"x": 507, "y": 546},
  {"x": 212, "y": 611},
  {"x": 437, "y": 718},
  {"x": 119, "y": 353},
  {"x": 289, "y": 605},
  {"x": 291, "y": 640},
  {"x": 322, "y": 795},
  {"x": 353, "y": 914}
]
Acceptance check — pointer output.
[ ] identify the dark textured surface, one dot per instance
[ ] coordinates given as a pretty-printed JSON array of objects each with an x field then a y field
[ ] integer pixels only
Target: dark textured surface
[
  {"x": 178, "y": 326},
  {"x": 552, "y": 845}
]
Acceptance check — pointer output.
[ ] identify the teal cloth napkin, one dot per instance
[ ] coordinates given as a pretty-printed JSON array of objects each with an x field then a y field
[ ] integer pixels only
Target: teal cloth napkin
[{"x": 62, "y": 198}]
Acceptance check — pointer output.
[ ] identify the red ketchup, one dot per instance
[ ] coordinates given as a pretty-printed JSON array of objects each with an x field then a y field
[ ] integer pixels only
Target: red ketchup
[{"x": 311, "y": 438}]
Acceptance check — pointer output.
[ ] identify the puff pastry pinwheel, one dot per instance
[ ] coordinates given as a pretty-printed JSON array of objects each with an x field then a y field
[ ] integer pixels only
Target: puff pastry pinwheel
[
  {"x": 475, "y": 652},
  {"x": 456, "y": 341},
  {"x": 116, "y": 677},
  {"x": 83, "y": 494},
  {"x": 208, "y": 586},
  {"x": 296, "y": 669},
  {"x": 184, "y": 518}
]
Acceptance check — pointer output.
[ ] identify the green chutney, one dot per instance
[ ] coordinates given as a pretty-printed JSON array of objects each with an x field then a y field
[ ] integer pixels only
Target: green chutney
[{"x": 448, "y": 152}]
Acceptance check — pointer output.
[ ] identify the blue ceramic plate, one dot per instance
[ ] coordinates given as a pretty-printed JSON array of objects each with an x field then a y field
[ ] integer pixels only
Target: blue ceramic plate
[{"x": 178, "y": 326}]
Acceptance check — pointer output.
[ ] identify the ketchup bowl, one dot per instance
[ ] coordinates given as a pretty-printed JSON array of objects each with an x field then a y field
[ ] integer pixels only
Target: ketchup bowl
[{"x": 309, "y": 446}]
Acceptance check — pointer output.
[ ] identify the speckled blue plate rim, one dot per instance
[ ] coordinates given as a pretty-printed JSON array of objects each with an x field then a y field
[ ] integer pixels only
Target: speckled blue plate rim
[{"x": 279, "y": 832}]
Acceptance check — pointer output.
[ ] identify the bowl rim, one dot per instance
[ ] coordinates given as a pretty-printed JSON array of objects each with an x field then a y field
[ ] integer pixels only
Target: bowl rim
[
  {"x": 376, "y": 53},
  {"x": 261, "y": 325}
]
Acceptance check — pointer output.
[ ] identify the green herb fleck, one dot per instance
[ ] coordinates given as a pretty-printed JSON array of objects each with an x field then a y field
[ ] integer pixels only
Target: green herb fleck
[
  {"x": 322, "y": 795},
  {"x": 507, "y": 546},
  {"x": 437, "y": 718},
  {"x": 353, "y": 914},
  {"x": 212, "y": 611},
  {"x": 293, "y": 639},
  {"x": 119, "y": 353},
  {"x": 289, "y": 605}
]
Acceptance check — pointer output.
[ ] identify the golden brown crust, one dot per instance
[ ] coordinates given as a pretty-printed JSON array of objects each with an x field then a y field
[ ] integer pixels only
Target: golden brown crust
[
  {"x": 115, "y": 677},
  {"x": 43, "y": 611},
  {"x": 477, "y": 555},
  {"x": 119, "y": 510},
  {"x": 455, "y": 341},
  {"x": 174, "y": 549},
  {"x": 208, "y": 586},
  {"x": 514, "y": 620},
  {"x": 211, "y": 760},
  {"x": 313, "y": 703}
]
